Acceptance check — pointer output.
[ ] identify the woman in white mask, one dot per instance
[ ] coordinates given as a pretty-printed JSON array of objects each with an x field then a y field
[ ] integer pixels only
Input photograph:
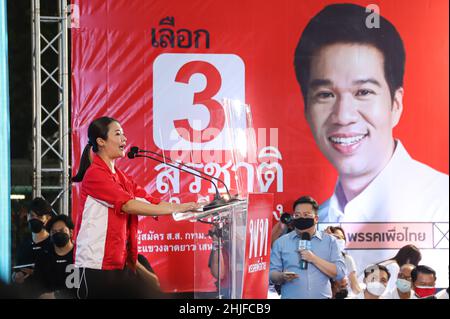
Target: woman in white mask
[
  {"x": 408, "y": 254},
  {"x": 350, "y": 274},
  {"x": 403, "y": 284},
  {"x": 376, "y": 278}
]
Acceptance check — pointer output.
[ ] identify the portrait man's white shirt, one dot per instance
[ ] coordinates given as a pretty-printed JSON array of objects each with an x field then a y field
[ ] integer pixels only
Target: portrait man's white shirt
[
  {"x": 393, "y": 294},
  {"x": 404, "y": 191}
]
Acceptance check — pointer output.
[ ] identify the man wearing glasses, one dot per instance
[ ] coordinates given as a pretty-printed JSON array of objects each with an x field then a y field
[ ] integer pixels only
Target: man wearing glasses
[
  {"x": 324, "y": 259},
  {"x": 403, "y": 289}
]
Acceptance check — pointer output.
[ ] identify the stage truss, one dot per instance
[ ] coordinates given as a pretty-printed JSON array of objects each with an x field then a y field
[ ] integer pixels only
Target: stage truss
[{"x": 51, "y": 118}]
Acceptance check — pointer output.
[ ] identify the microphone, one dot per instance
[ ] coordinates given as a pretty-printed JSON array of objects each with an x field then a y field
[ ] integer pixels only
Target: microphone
[
  {"x": 218, "y": 199},
  {"x": 132, "y": 153},
  {"x": 304, "y": 244}
]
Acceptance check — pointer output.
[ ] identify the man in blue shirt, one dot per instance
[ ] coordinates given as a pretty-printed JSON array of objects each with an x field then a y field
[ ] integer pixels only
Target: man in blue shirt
[{"x": 324, "y": 259}]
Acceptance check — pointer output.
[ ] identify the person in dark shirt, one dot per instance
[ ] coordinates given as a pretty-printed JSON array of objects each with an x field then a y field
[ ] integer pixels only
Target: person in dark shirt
[
  {"x": 147, "y": 277},
  {"x": 51, "y": 269},
  {"x": 219, "y": 260},
  {"x": 39, "y": 214}
]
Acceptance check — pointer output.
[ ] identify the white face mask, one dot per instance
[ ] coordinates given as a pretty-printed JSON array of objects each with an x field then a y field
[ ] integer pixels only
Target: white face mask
[
  {"x": 341, "y": 244},
  {"x": 376, "y": 288}
]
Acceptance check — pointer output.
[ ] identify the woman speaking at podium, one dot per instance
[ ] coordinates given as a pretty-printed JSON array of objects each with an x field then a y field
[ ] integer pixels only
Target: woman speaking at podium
[{"x": 107, "y": 220}]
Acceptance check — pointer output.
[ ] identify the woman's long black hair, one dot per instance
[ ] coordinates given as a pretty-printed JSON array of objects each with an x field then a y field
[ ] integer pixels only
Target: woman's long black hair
[
  {"x": 408, "y": 254},
  {"x": 98, "y": 128}
]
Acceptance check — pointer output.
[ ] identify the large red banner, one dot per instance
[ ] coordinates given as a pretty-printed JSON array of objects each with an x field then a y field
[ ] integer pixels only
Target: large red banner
[{"x": 159, "y": 66}]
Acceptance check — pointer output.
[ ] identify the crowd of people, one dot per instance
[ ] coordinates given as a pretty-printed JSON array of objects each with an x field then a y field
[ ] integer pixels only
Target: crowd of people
[
  {"x": 45, "y": 264},
  {"x": 332, "y": 271}
]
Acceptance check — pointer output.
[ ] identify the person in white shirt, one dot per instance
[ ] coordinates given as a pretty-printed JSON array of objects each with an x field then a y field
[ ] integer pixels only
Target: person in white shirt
[
  {"x": 403, "y": 284},
  {"x": 376, "y": 278},
  {"x": 443, "y": 294},
  {"x": 350, "y": 274},
  {"x": 408, "y": 254},
  {"x": 351, "y": 78}
]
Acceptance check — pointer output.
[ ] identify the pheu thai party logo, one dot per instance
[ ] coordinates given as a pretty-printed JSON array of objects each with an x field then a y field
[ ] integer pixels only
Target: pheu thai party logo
[
  {"x": 188, "y": 95},
  {"x": 258, "y": 237}
]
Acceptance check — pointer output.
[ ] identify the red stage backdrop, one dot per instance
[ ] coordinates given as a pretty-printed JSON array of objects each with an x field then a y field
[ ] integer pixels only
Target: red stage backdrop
[{"x": 158, "y": 66}]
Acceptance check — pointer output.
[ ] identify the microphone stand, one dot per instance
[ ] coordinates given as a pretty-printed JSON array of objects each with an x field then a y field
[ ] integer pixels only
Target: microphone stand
[
  {"x": 196, "y": 170},
  {"x": 216, "y": 202}
]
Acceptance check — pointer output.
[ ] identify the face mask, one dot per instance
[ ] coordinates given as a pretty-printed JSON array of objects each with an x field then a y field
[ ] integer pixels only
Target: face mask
[
  {"x": 376, "y": 288},
  {"x": 425, "y": 291},
  {"x": 35, "y": 225},
  {"x": 60, "y": 239},
  {"x": 342, "y": 294},
  {"x": 403, "y": 285},
  {"x": 303, "y": 223},
  {"x": 341, "y": 244}
]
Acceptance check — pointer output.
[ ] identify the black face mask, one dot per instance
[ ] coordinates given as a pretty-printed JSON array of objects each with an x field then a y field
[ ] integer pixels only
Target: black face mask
[
  {"x": 60, "y": 239},
  {"x": 342, "y": 294},
  {"x": 303, "y": 223},
  {"x": 35, "y": 225}
]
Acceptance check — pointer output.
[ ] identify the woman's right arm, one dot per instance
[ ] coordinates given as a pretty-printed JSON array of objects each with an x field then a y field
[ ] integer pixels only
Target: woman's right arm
[
  {"x": 354, "y": 285},
  {"x": 351, "y": 268},
  {"x": 100, "y": 185},
  {"x": 137, "y": 207}
]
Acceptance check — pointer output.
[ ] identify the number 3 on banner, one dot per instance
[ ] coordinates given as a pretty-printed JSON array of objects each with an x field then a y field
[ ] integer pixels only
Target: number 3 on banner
[{"x": 205, "y": 97}]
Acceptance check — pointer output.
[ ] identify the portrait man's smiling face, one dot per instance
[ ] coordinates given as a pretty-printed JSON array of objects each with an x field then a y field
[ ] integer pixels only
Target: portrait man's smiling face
[{"x": 350, "y": 109}]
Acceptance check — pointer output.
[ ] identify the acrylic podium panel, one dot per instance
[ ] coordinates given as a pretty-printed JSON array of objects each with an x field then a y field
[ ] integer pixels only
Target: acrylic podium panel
[
  {"x": 219, "y": 270},
  {"x": 226, "y": 260},
  {"x": 238, "y": 264}
]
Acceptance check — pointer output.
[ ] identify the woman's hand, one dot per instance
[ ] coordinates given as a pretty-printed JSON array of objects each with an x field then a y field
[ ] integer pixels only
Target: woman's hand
[
  {"x": 138, "y": 207},
  {"x": 185, "y": 207}
]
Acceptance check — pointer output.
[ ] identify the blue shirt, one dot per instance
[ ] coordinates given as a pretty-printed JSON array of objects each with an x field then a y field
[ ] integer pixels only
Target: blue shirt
[{"x": 312, "y": 283}]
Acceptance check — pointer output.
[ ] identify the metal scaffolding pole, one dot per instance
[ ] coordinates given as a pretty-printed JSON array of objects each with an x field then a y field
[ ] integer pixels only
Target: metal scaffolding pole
[{"x": 51, "y": 104}]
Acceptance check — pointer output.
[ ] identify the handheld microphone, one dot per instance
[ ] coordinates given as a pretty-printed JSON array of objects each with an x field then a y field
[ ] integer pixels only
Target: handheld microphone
[
  {"x": 218, "y": 200},
  {"x": 304, "y": 244}
]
